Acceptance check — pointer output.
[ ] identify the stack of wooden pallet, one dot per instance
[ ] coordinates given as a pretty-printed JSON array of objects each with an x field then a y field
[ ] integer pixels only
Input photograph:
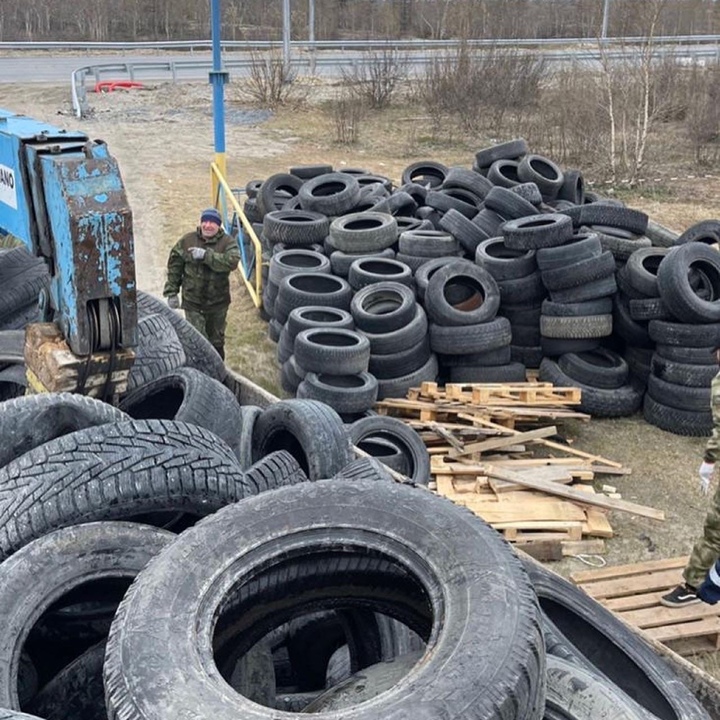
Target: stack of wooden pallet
[{"x": 493, "y": 449}]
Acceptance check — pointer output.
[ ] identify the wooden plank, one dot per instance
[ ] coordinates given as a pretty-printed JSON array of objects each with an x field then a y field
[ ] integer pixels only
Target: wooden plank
[
  {"x": 693, "y": 646},
  {"x": 633, "y": 602},
  {"x": 564, "y": 448},
  {"x": 706, "y": 626},
  {"x": 660, "y": 615},
  {"x": 632, "y": 584},
  {"x": 583, "y": 547},
  {"x": 512, "y": 439},
  {"x": 543, "y": 550},
  {"x": 508, "y": 512},
  {"x": 572, "y": 527},
  {"x": 576, "y": 495},
  {"x": 585, "y": 576},
  {"x": 597, "y": 524}
]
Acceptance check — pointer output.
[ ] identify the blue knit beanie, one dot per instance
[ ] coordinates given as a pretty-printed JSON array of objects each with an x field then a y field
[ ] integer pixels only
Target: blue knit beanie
[{"x": 211, "y": 215}]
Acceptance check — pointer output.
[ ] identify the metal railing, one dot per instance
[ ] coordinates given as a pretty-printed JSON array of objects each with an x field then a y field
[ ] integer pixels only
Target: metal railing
[
  {"x": 310, "y": 64},
  {"x": 364, "y": 45},
  {"x": 237, "y": 225}
]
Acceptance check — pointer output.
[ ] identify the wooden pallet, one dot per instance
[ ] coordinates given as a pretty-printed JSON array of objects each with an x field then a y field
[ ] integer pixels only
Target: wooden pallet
[{"x": 634, "y": 591}]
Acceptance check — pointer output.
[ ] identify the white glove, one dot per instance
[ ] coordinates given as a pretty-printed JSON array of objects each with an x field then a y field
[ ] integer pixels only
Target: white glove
[
  {"x": 173, "y": 302},
  {"x": 706, "y": 473},
  {"x": 197, "y": 253}
]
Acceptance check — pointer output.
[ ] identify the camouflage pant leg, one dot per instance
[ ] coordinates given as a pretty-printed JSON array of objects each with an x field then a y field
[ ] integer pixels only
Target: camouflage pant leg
[
  {"x": 215, "y": 322},
  {"x": 197, "y": 320},
  {"x": 707, "y": 549}
]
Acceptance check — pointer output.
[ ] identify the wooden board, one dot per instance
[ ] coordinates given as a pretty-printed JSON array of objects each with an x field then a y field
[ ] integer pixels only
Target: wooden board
[{"x": 634, "y": 592}]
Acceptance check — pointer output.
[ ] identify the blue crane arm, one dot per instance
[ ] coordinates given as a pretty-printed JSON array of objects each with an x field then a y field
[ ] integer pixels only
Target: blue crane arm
[{"x": 63, "y": 196}]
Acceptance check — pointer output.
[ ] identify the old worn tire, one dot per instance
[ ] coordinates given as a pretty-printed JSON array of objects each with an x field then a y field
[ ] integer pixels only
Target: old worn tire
[
  {"x": 332, "y": 350},
  {"x": 76, "y": 691},
  {"x": 611, "y": 647},
  {"x": 32, "y": 420},
  {"x": 344, "y": 393},
  {"x": 310, "y": 431},
  {"x": 383, "y": 307},
  {"x": 116, "y": 471},
  {"x": 601, "y": 368},
  {"x": 288, "y": 262},
  {"x": 679, "y": 422},
  {"x": 577, "y": 693},
  {"x": 673, "y": 282},
  {"x": 599, "y": 402},
  {"x": 199, "y": 353},
  {"x": 453, "y": 558},
  {"x": 478, "y": 295},
  {"x": 275, "y": 190},
  {"x": 295, "y": 227},
  {"x": 414, "y": 452},
  {"x": 158, "y": 351},
  {"x": 51, "y": 566},
  {"x": 303, "y": 289},
  {"x": 331, "y": 194},
  {"x": 363, "y": 232},
  {"x": 187, "y": 395}
]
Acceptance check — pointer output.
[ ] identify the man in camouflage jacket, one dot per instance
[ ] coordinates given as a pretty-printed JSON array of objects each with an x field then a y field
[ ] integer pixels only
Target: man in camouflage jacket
[
  {"x": 707, "y": 549},
  {"x": 200, "y": 263}
]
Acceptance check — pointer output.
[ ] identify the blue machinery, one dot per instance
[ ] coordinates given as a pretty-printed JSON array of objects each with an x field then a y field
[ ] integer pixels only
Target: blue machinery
[{"x": 62, "y": 195}]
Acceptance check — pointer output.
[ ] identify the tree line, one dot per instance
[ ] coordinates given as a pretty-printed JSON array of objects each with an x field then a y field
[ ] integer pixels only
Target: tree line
[{"x": 126, "y": 20}]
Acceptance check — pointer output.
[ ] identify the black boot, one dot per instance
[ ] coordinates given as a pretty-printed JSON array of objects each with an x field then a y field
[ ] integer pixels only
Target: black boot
[{"x": 220, "y": 350}]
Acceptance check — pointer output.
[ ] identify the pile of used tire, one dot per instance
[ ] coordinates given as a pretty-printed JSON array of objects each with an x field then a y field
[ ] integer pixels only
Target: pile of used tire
[
  {"x": 182, "y": 555},
  {"x": 476, "y": 274}
]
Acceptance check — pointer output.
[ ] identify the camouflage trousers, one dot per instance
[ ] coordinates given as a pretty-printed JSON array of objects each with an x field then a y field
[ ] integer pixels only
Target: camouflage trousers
[
  {"x": 211, "y": 324},
  {"x": 707, "y": 549}
]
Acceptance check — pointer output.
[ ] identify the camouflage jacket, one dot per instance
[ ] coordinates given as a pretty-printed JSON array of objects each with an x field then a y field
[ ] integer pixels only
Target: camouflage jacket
[
  {"x": 205, "y": 283},
  {"x": 712, "y": 449}
]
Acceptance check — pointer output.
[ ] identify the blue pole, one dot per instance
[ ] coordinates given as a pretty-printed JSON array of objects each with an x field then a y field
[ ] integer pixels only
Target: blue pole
[{"x": 218, "y": 78}]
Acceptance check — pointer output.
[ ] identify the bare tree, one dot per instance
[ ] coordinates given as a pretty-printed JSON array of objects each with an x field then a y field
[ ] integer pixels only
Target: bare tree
[{"x": 376, "y": 80}]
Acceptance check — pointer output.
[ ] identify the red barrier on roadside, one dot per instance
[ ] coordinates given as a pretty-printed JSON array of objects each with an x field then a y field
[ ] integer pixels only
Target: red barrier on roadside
[{"x": 110, "y": 85}]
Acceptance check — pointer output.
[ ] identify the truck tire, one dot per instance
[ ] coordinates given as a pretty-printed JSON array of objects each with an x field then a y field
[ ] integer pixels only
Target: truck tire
[{"x": 452, "y": 559}]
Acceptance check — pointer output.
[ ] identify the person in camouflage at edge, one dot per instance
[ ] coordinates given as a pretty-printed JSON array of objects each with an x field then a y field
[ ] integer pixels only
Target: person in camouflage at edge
[
  {"x": 707, "y": 549},
  {"x": 200, "y": 263}
]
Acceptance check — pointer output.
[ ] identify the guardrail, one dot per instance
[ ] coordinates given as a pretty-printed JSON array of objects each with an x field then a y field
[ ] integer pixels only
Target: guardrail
[
  {"x": 178, "y": 70},
  {"x": 367, "y": 45}
]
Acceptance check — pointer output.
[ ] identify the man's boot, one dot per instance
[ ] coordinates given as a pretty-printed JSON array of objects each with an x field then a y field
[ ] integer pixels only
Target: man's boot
[{"x": 220, "y": 350}]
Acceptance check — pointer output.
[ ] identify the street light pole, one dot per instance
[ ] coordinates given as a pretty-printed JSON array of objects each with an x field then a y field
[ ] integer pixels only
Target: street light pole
[
  {"x": 218, "y": 78},
  {"x": 286, "y": 37},
  {"x": 606, "y": 13}
]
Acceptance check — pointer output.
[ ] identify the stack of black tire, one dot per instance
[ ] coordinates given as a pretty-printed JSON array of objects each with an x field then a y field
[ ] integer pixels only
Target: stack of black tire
[
  {"x": 684, "y": 362},
  {"x": 575, "y": 273}
]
